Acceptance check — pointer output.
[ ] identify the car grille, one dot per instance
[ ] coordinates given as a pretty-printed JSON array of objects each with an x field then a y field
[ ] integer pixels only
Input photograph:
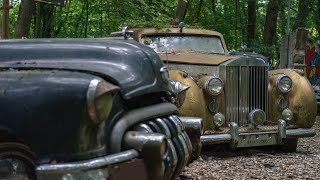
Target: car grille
[
  {"x": 179, "y": 144},
  {"x": 246, "y": 89}
]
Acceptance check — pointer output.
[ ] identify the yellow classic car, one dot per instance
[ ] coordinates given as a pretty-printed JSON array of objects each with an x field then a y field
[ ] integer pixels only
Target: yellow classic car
[{"x": 241, "y": 101}]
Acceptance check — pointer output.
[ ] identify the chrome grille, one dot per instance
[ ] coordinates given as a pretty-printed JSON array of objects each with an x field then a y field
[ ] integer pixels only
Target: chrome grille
[{"x": 246, "y": 89}]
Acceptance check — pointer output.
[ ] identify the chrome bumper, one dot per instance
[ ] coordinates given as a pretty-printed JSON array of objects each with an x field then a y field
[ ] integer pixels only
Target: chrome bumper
[
  {"x": 236, "y": 139},
  {"x": 89, "y": 169}
]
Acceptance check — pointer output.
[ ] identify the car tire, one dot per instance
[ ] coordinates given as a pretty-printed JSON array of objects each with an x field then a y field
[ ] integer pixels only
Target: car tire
[
  {"x": 16, "y": 161},
  {"x": 290, "y": 145}
]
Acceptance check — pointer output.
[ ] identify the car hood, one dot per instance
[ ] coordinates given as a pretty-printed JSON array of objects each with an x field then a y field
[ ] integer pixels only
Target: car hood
[
  {"x": 194, "y": 58},
  {"x": 132, "y": 66}
]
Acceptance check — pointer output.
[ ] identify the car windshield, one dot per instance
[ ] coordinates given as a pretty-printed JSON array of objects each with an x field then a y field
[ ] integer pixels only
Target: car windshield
[{"x": 167, "y": 44}]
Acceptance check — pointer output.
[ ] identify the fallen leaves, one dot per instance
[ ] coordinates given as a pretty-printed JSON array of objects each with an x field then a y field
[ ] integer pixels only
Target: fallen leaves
[{"x": 259, "y": 163}]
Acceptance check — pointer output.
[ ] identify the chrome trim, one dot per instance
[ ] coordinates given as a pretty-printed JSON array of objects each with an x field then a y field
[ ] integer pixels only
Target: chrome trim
[
  {"x": 208, "y": 82},
  {"x": 215, "y": 139},
  {"x": 163, "y": 127},
  {"x": 193, "y": 124},
  {"x": 234, "y": 132},
  {"x": 217, "y": 117},
  {"x": 246, "y": 88},
  {"x": 278, "y": 81},
  {"x": 177, "y": 126},
  {"x": 188, "y": 142},
  {"x": 213, "y": 107},
  {"x": 91, "y": 94},
  {"x": 141, "y": 141},
  {"x": 235, "y": 138},
  {"x": 88, "y": 164},
  {"x": 300, "y": 133},
  {"x": 282, "y": 103},
  {"x": 165, "y": 74},
  {"x": 282, "y": 131},
  {"x": 251, "y": 116},
  {"x": 143, "y": 128},
  {"x": 185, "y": 149},
  {"x": 137, "y": 116}
]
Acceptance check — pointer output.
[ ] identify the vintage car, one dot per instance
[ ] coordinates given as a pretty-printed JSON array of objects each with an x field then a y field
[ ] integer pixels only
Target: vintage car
[
  {"x": 242, "y": 103},
  {"x": 89, "y": 109}
]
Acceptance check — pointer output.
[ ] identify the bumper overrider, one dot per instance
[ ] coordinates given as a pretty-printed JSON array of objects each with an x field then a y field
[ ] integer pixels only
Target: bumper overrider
[
  {"x": 146, "y": 143},
  {"x": 249, "y": 139}
]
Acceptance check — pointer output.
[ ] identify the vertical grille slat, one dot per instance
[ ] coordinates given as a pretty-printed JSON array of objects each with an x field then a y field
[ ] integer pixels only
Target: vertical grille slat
[{"x": 246, "y": 90}]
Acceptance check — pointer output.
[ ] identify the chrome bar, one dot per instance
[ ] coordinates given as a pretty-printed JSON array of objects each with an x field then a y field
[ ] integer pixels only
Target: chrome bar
[
  {"x": 88, "y": 164},
  {"x": 300, "y": 133},
  {"x": 137, "y": 116},
  {"x": 193, "y": 124},
  {"x": 215, "y": 139},
  {"x": 139, "y": 141}
]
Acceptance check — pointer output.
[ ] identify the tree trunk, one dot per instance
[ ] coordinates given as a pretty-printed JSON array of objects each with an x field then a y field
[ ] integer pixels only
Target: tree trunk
[
  {"x": 213, "y": 4},
  {"x": 62, "y": 22},
  {"x": 47, "y": 17},
  {"x": 181, "y": 11},
  {"x": 270, "y": 26},
  {"x": 303, "y": 12},
  {"x": 196, "y": 16},
  {"x": 252, "y": 19},
  {"x": 38, "y": 21},
  {"x": 316, "y": 17},
  {"x": 87, "y": 19},
  {"x": 26, "y": 11}
]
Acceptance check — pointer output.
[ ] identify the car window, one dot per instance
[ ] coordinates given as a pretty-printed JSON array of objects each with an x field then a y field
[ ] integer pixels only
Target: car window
[{"x": 206, "y": 44}]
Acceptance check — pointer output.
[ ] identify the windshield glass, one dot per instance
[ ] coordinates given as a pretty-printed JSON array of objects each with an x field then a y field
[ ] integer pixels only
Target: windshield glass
[{"x": 206, "y": 44}]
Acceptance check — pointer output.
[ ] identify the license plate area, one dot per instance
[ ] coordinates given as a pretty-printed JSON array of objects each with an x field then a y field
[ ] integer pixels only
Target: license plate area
[{"x": 257, "y": 139}]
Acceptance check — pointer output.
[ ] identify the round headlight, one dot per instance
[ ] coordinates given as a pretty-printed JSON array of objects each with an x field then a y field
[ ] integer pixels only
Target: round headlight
[
  {"x": 284, "y": 83},
  {"x": 100, "y": 100},
  {"x": 164, "y": 73},
  {"x": 257, "y": 117},
  {"x": 214, "y": 86},
  {"x": 287, "y": 115},
  {"x": 219, "y": 119}
]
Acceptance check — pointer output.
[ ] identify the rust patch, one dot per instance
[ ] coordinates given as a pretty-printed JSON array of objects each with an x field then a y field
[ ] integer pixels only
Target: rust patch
[{"x": 195, "y": 58}]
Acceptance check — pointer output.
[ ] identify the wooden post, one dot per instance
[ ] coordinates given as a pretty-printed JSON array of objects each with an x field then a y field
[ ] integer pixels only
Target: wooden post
[
  {"x": 5, "y": 18},
  {"x": 292, "y": 54}
]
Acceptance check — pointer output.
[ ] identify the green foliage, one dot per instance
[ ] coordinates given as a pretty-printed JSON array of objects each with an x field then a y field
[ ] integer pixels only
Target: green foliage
[{"x": 98, "y": 18}]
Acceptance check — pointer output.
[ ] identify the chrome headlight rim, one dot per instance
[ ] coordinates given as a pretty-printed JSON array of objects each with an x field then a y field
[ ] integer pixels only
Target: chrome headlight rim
[
  {"x": 207, "y": 84},
  {"x": 278, "y": 81},
  {"x": 99, "y": 92},
  {"x": 165, "y": 74},
  {"x": 252, "y": 117},
  {"x": 287, "y": 114},
  {"x": 219, "y": 119}
]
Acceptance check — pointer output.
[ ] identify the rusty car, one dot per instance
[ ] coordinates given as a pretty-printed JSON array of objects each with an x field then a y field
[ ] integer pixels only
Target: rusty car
[
  {"x": 242, "y": 102},
  {"x": 85, "y": 109}
]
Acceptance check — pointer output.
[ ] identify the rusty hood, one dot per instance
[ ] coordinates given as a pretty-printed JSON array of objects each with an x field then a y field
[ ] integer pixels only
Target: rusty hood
[{"x": 194, "y": 58}]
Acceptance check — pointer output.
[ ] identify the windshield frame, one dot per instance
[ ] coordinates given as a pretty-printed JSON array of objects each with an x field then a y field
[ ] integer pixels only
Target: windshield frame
[{"x": 225, "y": 51}]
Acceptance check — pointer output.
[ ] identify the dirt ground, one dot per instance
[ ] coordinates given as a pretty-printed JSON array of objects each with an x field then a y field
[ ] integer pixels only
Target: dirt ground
[{"x": 259, "y": 163}]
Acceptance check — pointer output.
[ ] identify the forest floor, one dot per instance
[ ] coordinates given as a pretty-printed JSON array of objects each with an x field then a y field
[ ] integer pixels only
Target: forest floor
[{"x": 259, "y": 163}]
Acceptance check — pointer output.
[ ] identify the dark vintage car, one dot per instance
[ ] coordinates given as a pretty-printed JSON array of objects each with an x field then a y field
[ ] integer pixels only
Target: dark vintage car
[
  {"x": 89, "y": 109},
  {"x": 241, "y": 101}
]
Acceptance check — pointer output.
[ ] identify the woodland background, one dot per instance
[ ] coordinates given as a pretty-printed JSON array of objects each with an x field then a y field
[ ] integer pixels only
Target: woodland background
[{"x": 247, "y": 25}]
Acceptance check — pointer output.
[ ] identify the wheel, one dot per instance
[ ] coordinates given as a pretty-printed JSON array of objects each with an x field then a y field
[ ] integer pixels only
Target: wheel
[
  {"x": 16, "y": 162},
  {"x": 290, "y": 145}
]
